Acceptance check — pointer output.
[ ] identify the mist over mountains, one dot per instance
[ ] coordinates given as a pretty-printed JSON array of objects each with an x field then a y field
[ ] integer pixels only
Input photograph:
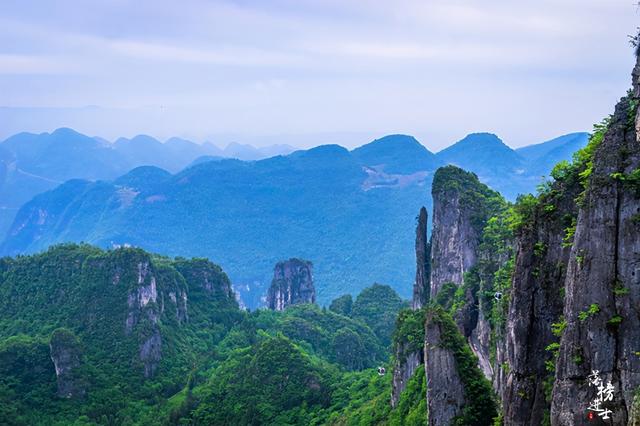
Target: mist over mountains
[{"x": 351, "y": 212}]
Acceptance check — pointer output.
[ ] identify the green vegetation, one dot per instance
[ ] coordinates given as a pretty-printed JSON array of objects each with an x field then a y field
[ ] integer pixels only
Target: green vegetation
[
  {"x": 378, "y": 306},
  {"x": 481, "y": 404},
  {"x": 409, "y": 331},
  {"x": 557, "y": 328},
  {"x": 483, "y": 202},
  {"x": 615, "y": 321},
  {"x": 342, "y": 305},
  {"x": 593, "y": 309},
  {"x": 216, "y": 364},
  {"x": 412, "y": 406}
]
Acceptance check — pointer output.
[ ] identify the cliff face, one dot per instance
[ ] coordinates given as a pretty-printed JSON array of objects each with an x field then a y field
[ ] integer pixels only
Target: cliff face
[
  {"x": 535, "y": 301},
  {"x": 292, "y": 284},
  {"x": 460, "y": 262},
  {"x": 124, "y": 307},
  {"x": 445, "y": 390},
  {"x": 454, "y": 239},
  {"x": 457, "y": 391},
  {"x": 408, "y": 352},
  {"x": 66, "y": 356},
  {"x": 408, "y": 348},
  {"x": 602, "y": 306},
  {"x": 423, "y": 263}
]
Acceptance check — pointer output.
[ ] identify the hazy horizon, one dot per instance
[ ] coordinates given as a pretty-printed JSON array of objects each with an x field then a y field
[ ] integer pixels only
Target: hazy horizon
[
  {"x": 289, "y": 140},
  {"x": 306, "y": 73}
]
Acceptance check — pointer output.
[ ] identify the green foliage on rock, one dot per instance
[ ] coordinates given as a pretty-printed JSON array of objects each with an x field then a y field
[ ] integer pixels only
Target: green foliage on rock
[
  {"x": 154, "y": 340},
  {"x": 483, "y": 202},
  {"x": 481, "y": 406},
  {"x": 409, "y": 331}
]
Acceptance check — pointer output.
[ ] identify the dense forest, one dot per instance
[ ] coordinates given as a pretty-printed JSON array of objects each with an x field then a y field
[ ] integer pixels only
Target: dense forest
[{"x": 126, "y": 337}]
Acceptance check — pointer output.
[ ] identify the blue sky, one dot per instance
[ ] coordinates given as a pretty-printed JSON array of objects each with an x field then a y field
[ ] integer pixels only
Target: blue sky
[{"x": 310, "y": 72}]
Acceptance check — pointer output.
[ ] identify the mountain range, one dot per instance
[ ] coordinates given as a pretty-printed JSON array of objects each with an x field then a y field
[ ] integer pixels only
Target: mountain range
[
  {"x": 350, "y": 212},
  {"x": 33, "y": 163}
]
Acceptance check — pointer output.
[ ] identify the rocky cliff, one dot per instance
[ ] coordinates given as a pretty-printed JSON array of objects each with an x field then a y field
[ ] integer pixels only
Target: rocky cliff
[
  {"x": 532, "y": 308},
  {"x": 462, "y": 263},
  {"x": 545, "y": 291},
  {"x": 423, "y": 263},
  {"x": 454, "y": 237},
  {"x": 602, "y": 304},
  {"x": 292, "y": 284},
  {"x": 457, "y": 391},
  {"x": 66, "y": 356},
  {"x": 129, "y": 310},
  {"x": 407, "y": 348}
]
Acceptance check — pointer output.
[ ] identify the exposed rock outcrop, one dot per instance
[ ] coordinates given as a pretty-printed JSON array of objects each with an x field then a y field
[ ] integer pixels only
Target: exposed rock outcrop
[
  {"x": 454, "y": 238},
  {"x": 66, "y": 355},
  {"x": 462, "y": 206},
  {"x": 457, "y": 391},
  {"x": 406, "y": 363},
  {"x": 408, "y": 347},
  {"x": 536, "y": 297},
  {"x": 602, "y": 306},
  {"x": 423, "y": 263},
  {"x": 445, "y": 390},
  {"x": 292, "y": 284}
]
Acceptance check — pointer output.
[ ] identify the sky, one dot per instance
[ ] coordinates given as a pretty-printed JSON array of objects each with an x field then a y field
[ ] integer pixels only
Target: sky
[{"x": 308, "y": 72}]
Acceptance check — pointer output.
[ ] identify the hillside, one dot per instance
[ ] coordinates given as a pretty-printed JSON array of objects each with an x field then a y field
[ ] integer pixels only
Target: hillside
[
  {"x": 33, "y": 163},
  {"x": 126, "y": 337},
  {"x": 351, "y": 213},
  {"x": 510, "y": 171}
]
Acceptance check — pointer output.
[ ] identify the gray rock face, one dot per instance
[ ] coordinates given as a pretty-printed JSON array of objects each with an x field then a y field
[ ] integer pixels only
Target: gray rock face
[
  {"x": 462, "y": 205},
  {"x": 146, "y": 304},
  {"x": 536, "y": 302},
  {"x": 408, "y": 359},
  {"x": 423, "y": 263},
  {"x": 66, "y": 356},
  {"x": 406, "y": 364},
  {"x": 292, "y": 284},
  {"x": 602, "y": 306},
  {"x": 454, "y": 241},
  {"x": 445, "y": 390}
]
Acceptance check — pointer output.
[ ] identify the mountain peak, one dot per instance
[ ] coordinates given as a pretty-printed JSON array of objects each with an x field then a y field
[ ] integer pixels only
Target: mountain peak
[
  {"x": 401, "y": 154},
  {"x": 65, "y": 132}
]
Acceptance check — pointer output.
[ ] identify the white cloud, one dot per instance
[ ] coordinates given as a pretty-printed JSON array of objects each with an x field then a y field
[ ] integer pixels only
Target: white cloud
[{"x": 34, "y": 64}]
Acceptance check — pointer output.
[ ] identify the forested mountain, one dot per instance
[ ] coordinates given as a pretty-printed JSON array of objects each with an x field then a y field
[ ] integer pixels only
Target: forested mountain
[
  {"x": 126, "y": 337},
  {"x": 33, "y": 163},
  {"x": 533, "y": 303},
  {"x": 351, "y": 212},
  {"x": 524, "y": 303}
]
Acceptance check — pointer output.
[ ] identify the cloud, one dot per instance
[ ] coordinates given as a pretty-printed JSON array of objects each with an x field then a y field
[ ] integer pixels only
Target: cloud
[
  {"x": 436, "y": 68},
  {"x": 33, "y": 64}
]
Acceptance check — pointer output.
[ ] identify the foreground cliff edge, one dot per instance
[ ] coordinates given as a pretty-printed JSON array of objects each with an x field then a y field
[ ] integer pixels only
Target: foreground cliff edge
[
  {"x": 544, "y": 293},
  {"x": 524, "y": 313}
]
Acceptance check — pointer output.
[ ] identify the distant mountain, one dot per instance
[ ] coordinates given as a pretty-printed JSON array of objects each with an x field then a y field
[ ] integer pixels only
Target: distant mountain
[
  {"x": 397, "y": 154},
  {"x": 352, "y": 213},
  {"x": 33, "y": 163},
  {"x": 507, "y": 170},
  {"x": 250, "y": 153},
  {"x": 246, "y": 215},
  {"x": 543, "y": 156}
]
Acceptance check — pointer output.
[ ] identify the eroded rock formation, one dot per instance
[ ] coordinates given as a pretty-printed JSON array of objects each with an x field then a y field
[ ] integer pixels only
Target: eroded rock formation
[
  {"x": 602, "y": 305},
  {"x": 423, "y": 263},
  {"x": 66, "y": 355},
  {"x": 292, "y": 284}
]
